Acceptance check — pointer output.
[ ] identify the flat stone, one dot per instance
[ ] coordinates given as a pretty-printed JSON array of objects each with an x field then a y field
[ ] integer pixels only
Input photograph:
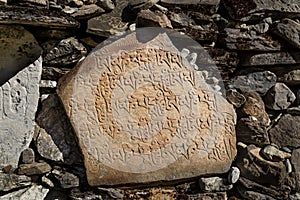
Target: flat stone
[
  {"x": 279, "y": 97},
  {"x": 28, "y": 156},
  {"x": 109, "y": 24},
  {"x": 294, "y": 110},
  {"x": 88, "y": 11},
  {"x": 66, "y": 179},
  {"x": 118, "y": 133},
  {"x": 12, "y": 181},
  {"x": 248, "y": 194},
  {"x": 252, "y": 131},
  {"x": 286, "y": 131},
  {"x": 269, "y": 59},
  {"x": 289, "y": 30},
  {"x": 34, "y": 168},
  {"x": 203, "y": 6},
  {"x": 291, "y": 77},
  {"x": 35, "y": 17},
  {"x": 34, "y": 2},
  {"x": 235, "y": 98},
  {"x": 236, "y": 39},
  {"x": 33, "y": 192},
  {"x": 18, "y": 50},
  {"x": 138, "y": 5},
  {"x": 258, "y": 169},
  {"x": 204, "y": 196},
  {"x": 62, "y": 145},
  {"x": 296, "y": 160},
  {"x": 259, "y": 9},
  {"x": 106, "y": 4},
  {"x": 18, "y": 104},
  {"x": 79, "y": 195},
  {"x": 259, "y": 82},
  {"x": 66, "y": 52},
  {"x": 207, "y": 34},
  {"x": 180, "y": 19},
  {"x": 214, "y": 184},
  {"x": 272, "y": 153},
  {"x": 148, "y": 18}
]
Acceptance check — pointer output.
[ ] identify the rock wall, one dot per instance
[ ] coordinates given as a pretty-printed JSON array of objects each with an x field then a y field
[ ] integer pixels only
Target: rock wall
[{"x": 253, "y": 44}]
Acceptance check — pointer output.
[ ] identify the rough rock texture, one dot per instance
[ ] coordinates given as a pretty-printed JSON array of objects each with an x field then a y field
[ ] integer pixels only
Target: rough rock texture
[
  {"x": 18, "y": 104},
  {"x": 28, "y": 156},
  {"x": 272, "y": 153},
  {"x": 147, "y": 18},
  {"x": 137, "y": 5},
  {"x": 214, "y": 184},
  {"x": 87, "y": 12},
  {"x": 279, "y": 97},
  {"x": 286, "y": 132},
  {"x": 34, "y": 168},
  {"x": 235, "y": 98},
  {"x": 33, "y": 192},
  {"x": 291, "y": 77},
  {"x": 18, "y": 49},
  {"x": 66, "y": 179},
  {"x": 116, "y": 132},
  {"x": 296, "y": 160},
  {"x": 12, "y": 181}
]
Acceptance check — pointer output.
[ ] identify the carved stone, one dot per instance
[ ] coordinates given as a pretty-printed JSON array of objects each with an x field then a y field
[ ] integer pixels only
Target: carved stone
[
  {"x": 143, "y": 114},
  {"x": 18, "y": 104}
]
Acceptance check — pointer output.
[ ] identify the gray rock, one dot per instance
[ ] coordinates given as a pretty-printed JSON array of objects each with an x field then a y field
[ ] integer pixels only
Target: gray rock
[
  {"x": 289, "y": 30},
  {"x": 112, "y": 193},
  {"x": 34, "y": 168},
  {"x": 233, "y": 175},
  {"x": 66, "y": 179},
  {"x": 88, "y": 11},
  {"x": 279, "y": 97},
  {"x": 214, "y": 184},
  {"x": 12, "y": 181},
  {"x": 18, "y": 104},
  {"x": 235, "y": 98},
  {"x": 260, "y": 28},
  {"x": 43, "y": 3},
  {"x": 180, "y": 19},
  {"x": 106, "y": 4},
  {"x": 291, "y": 77},
  {"x": 137, "y": 5},
  {"x": 60, "y": 131},
  {"x": 53, "y": 73},
  {"x": 34, "y": 192},
  {"x": 294, "y": 110},
  {"x": 260, "y": 82},
  {"x": 251, "y": 195},
  {"x": 28, "y": 156},
  {"x": 66, "y": 52},
  {"x": 295, "y": 160},
  {"x": 286, "y": 131},
  {"x": 18, "y": 49},
  {"x": 46, "y": 146},
  {"x": 236, "y": 39},
  {"x": 270, "y": 152},
  {"x": 295, "y": 196},
  {"x": 87, "y": 195},
  {"x": 148, "y": 18}
]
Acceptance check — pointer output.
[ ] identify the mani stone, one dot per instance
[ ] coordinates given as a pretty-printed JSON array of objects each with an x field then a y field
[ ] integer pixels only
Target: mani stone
[
  {"x": 143, "y": 114},
  {"x": 33, "y": 192},
  {"x": 18, "y": 104}
]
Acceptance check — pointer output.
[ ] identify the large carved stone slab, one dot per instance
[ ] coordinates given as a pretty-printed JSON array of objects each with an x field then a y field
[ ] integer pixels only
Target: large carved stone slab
[
  {"x": 143, "y": 114},
  {"x": 18, "y": 104}
]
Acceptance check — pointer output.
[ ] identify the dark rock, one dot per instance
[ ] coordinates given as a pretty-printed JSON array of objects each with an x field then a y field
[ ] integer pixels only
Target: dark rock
[
  {"x": 208, "y": 196},
  {"x": 293, "y": 181},
  {"x": 112, "y": 193},
  {"x": 53, "y": 73},
  {"x": 106, "y": 4},
  {"x": 147, "y": 18},
  {"x": 252, "y": 131},
  {"x": 289, "y": 30},
  {"x": 33, "y": 192},
  {"x": 137, "y": 5},
  {"x": 251, "y": 195},
  {"x": 66, "y": 52},
  {"x": 235, "y": 98},
  {"x": 88, "y": 11},
  {"x": 257, "y": 169},
  {"x": 180, "y": 20},
  {"x": 294, "y": 111},
  {"x": 66, "y": 179},
  {"x": 36, "y": 17},
  {"x": 255, "y": 107},
  {"x": 34, "y": 168},
  {"x": 272, "y": 153},
  {"x": 28, "y": 156},
  {"x": 260, "y": 82},
  {"x": 59, "y": 130},
  {"x": 260, "y": 28},
  {"x": 206, "y": 34},
  {"x": 296, "y": 160},
  {"x": 236, "y": 39},
  {"x": 76, "y": 194},
  {"x": 32, "y": 3},
  {"x": 279, "y": 97},
  {"x": 109, "y": 24},
  {"x": 12, "y": 181},
  {"x": 269, "y": 59},
  {"x": 214, "y": 184},
  {"x": 286, "y": 132},
  {"x": 291, "y": 77}
]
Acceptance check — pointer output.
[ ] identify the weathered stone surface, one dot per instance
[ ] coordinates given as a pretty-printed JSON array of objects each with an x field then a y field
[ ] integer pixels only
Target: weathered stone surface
[
  {"x": 34, "y": 192},
  {"x": 289, "y": 30},
  {"x": 180, "y": 19},
  {"x": 202, "y": 6},
  {"x": 18, "y": 104},
  {"x": 106, "y": 4},
  {"x": 111, "y": 193},
  {"x": 279, "y": 97},
  {"x": 235, "y": 98},
  {"x": 255, "y": 107},
  {"x": 286, "y": 132},
  {"x": 270, "y": 152},
  {"x": 257, "y": 169},
  {"x": 214, "y": 184},
  {"x": 66, "y": 179},
  {"x": 53, "y": 73},
  {"x": 259, "y": 82},
  {"x": 66, "y": 52},
  {"x": 252, "y": 131},
  {"x": 148, "y": 18},
  {"x": 34, "y": 168},
  {"x": 18, "y": 49},
  {"x": 233, "y": 175},
  {"x": 291, "y": 77},
  {"x": 60, "y": 131},
  {"x": 296, "y": 160},
  {"x": 251, "y": 195},
  {"x": 35, "y": 17},
  {"x": 128, "y": 133},
  {"x": 12, "y": 181},
  {"x": 258, "y": 9},
  {"x": 33, "y": 2},
  {"x": 206, "y": 196},
  {"x": 109, "y": 24},
  {"x": 78, "y": 195},
  {"x": 236, "y": 39},
  {"x": 88, "y": 11},
  {"x": 47, "y": 86},
  {"x": 137, "y": 5},
  {"x": 28, "y": 156},
  {"x": 276, "y": 58}
]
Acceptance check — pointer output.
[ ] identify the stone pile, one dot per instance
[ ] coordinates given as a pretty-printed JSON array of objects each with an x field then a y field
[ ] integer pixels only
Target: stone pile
[{"x": 79, "y": 122}]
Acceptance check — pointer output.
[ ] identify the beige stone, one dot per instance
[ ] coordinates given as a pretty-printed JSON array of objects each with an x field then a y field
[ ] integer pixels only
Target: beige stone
[{"x": 143, "y": 114}]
